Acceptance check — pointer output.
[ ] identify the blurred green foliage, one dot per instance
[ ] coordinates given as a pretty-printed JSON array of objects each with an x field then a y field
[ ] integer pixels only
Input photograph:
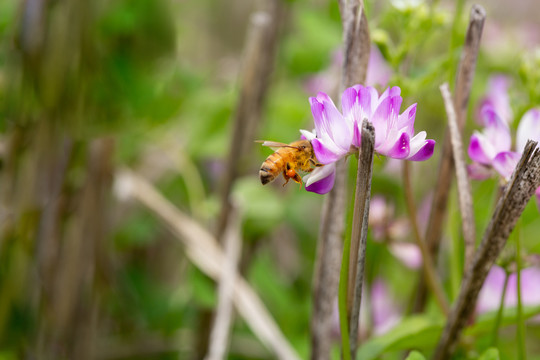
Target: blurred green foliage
[{"x": 160, "y": 77}]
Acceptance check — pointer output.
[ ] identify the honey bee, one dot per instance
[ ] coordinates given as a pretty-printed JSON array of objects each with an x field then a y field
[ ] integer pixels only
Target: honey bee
[{"x": 288, "y": 159}]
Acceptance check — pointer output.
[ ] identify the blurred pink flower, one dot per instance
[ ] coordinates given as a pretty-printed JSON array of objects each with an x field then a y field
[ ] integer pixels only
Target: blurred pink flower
[
  {"x": 384, "y": 310},
  {"x": 378, "y": 73},
  {"x": 378, "y": 313},
  {"x": 491, "y": 148},
  {"x": 408, "y": 253},
  {"x": 491, "y": 293},
  {"x": 380, "y": 213},
  {"x": 497, "y": 97},
  {"x": 383, "y": 225}
]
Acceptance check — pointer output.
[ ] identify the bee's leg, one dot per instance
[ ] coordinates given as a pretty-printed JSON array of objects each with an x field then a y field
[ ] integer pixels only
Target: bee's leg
[
  {"x": 286, "y": 177},
  {"x": 297, "y": 179},
  {"x": 314, "y": 163}
]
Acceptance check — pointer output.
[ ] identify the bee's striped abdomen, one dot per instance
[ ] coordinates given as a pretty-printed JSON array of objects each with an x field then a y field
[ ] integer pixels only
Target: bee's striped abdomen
[{"x": 271, "y": 168}]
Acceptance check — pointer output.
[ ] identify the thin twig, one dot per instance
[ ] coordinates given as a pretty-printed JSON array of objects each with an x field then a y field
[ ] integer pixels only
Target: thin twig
[
  {"x": 464, "y": 187},
  {"x": 257, "y": 65},
  {"x": 219, "y": 337},
  {"x": 463, "y": 88},
  {"x": 326, "y": 274},
  {"x": 464, "y": 80},
  {"x": 203, "y": 250},
  {"x": 258, "y": 62},
  {"x": 522, "y": 185},
  {"x": 430, "y": 275},
  {"x": 360, "y": 229}
]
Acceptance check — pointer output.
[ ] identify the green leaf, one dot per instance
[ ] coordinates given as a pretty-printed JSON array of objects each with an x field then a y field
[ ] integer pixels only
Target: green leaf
[
  {"x": 415, "y": 355},
  {"x": 490, "y": 354},
  {"x": 484, "y": 324},
  {"x": 413, "y": 332}
]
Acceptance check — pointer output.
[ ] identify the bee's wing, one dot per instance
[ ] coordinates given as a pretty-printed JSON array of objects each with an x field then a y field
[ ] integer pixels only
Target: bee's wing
[{"x": 274, "y": 145}]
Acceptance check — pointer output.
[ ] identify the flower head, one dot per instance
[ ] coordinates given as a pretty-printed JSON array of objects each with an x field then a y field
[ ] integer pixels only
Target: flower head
[
  {"x": 492, "y": 146},
  {"x": 335, "y": 133}
]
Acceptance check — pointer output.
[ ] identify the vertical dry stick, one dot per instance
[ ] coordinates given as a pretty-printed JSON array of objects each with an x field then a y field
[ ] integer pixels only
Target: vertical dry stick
[
  {"x": 258, "y": 62},
  {"x": 360, "y": 227},
  {"x": 430, "y": 275},
  {"x": 464, "y": 187},
  {"x": 357, "y": 44},
  {"x": 464, "y": 80},
  {"x": 219, "y": 337},
  {"x": 326, "y": 274},
  {"x": 463, "y": 89},
  {"x": 524, "y": 181}
]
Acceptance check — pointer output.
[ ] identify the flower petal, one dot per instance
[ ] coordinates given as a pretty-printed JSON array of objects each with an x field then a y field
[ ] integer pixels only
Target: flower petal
[
  {"x": 497, "y": 132},
  {"x": 326, "y": 152},
  {"x": 348, "y": 100},
  {"x": 491, "y": 292},
  {"x": 380, "y": 120},
  {"x": 480, "y": 150},
  {"x": 408, "y": 253},
  {"x": 308, "y": 135},
  {"x": 497, "y": 97},
  {"x": 321, "y": 180},
  {"x": 505, "y": 163},
  {"x": 406, "y": 120},
  {"x": 398, "y": 150},
  {"x": 427, "y": 147},
  {"x": 357, "y": 136},
  {"x": 530, "y": 291},
  {"x": 529, "y": 128}
]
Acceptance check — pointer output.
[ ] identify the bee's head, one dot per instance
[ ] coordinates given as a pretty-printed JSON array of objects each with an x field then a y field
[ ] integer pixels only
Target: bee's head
[{"x": 305, "y": 147}]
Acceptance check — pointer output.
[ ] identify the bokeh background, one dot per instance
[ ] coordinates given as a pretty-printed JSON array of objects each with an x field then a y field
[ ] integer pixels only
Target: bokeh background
[{"x": 91, "y": 87}]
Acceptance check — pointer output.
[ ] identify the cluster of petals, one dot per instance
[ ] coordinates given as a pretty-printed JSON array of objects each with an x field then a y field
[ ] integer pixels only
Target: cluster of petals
[
  {"x": 336, "y": 133},
  {"x": 492, "y": 147}
]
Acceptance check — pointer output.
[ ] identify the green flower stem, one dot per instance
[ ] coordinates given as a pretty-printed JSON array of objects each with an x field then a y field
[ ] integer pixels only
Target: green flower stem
[
  {"x": 497, "y": 324},
  {"x": 342, "y": 300},
  {"x": 520, "y": 321}
]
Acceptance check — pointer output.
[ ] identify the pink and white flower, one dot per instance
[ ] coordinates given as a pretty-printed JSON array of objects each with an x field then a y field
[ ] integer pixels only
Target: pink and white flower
[
  {"x": 335, "y": 133},
  {"x": 491, "y": 148}
]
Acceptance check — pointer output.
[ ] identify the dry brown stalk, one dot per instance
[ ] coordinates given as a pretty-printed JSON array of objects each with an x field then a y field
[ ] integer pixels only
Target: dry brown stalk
[
  {"x": 326, "y": 274},
  {"x": 464, "y": 80},
  {"x": 464, "y": 187},
  {"x": 204, "y": 251},
  {"x": 522, "y": 185},
  {"x": 219, "y": 336},
  {"x": 359, "y": 231},
  {"x": 257, "y": 66}
]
